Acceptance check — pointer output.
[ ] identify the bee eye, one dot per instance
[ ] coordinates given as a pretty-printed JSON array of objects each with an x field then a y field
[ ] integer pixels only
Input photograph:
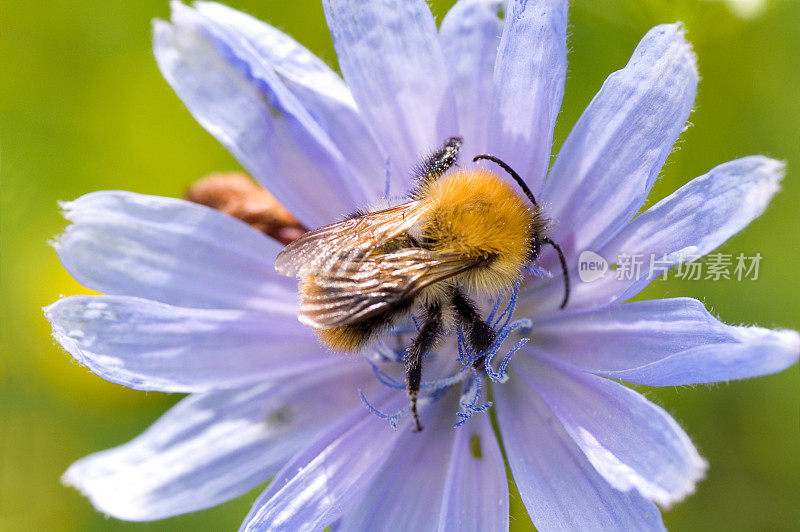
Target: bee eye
[{"x": 535, "y": 248}]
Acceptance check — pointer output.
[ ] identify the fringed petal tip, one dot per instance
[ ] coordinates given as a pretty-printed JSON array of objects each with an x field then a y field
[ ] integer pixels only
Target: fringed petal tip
[
  {"x": 665, "y": 342},
  {"x": 614, "y": 153},
  {"x": 59, "y": 334},
  {"x": 124, "y": 243},
  {"x": 624, "y": 478},
  {"x": 683, "y": 48},
  {"x": 783, "y": 344},
  {"x": 270, "y": 124},
  {"x": 698, "y": 475},
  {"x": 147, "y": 345},
  {"x": 102, "y": 500},
  {"x": 770, "y": 172},
  {"x": 686, "y": 225},
  {"x": 667, "y": 43},
  {"x": 634, "y": 444}
]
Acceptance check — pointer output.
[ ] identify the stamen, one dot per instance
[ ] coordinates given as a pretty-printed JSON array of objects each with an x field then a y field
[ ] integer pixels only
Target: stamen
[
  {"x": 468, "y": 375},
  {"x": 494, "y": 310},
  {"x": 385, "y": 379},
  {"x": 390, "y": 382},
  {"x": 394, "y": 418},
  {"x": 461, "y": 345},
  {"x": 501, "y": 375},
  {"x": 508, "y": 311},
  {"x": 384, "y": 353},
  {"x": 503, "y": 330},
  {"x": 472, "y": 386},
  {"x": 538, "y": 271},
  {"x": 388, "y": 175}
]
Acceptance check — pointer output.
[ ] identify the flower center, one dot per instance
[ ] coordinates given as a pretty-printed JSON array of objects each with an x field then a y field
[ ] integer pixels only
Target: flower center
[{"x": 470, "y": 373}]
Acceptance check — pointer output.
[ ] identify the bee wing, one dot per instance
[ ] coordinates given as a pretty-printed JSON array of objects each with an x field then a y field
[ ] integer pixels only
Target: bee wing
[
  {"x": 352, "y": 291},
  {"x": 345, "y": 241}
]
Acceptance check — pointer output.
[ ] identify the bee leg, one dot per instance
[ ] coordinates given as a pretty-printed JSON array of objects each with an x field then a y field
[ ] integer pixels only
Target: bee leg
[
  {"x": 428, "y": 334},
  {"x": 438, "y": 162},
  {"x": 479, "y": 334}
]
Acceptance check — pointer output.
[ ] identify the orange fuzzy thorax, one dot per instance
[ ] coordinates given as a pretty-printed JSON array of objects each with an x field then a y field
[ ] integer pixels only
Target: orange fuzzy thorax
[{"x": 477, "y": 214}]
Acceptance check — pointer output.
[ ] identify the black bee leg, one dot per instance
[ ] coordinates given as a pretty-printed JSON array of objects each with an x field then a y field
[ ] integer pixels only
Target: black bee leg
[
  {"x": 479, "y": 334},
  {"x": 428, "y": 334},
  {"x": 438, "y": 162}
]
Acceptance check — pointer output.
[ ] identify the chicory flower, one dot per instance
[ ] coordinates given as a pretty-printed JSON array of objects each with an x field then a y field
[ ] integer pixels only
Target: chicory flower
[{"x": 193, "y": 304}]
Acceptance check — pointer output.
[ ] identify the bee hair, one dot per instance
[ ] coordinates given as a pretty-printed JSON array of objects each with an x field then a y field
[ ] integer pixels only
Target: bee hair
[
  {"x": 537, "y": 241},
  {"x": 502, "y": 164}
]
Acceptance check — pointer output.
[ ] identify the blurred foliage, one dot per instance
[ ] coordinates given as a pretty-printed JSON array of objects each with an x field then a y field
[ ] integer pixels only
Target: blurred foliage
[{"x": 83, "y": 107}]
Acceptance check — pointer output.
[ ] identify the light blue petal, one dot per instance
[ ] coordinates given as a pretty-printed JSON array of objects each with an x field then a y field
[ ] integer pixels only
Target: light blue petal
[
  {"x": 433, "y": 481},
  {"x": 152, "y": 346},
  {"x": 476, "y": 490},
  {"x": 633, "y": 444},
  {"x": 666, "y": 342},
  {"x": 318, "y": 88},
  {"x": 172, "y": 251},
  {"x": 213, "y": 447},
  {"x": 390, "y": 56},
  {"x": 469, "y": 34},
  {"x": 689, "y": 223},
  {"x": 560, "y": 488},
  {"x": 240, "y": 100},
  {"x": 757, "y": 352},
  {"x": 410, "y": 487},
  {"x": 607, "y": 165},
  {"x": 701, "y": 215},
  {"x": 324, "y": 479},
  {"x": 529, "y": 79}
]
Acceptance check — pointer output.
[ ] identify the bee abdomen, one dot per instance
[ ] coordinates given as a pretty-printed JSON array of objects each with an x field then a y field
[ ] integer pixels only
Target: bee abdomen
[{"x": 357, "y": 335}]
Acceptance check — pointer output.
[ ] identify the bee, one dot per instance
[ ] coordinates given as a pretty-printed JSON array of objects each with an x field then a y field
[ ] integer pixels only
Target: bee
[{"x": 461, "y": 232}]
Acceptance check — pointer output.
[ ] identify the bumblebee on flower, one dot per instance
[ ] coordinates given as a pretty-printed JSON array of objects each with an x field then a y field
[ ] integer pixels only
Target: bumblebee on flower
[{"x": 223, "y": 327}]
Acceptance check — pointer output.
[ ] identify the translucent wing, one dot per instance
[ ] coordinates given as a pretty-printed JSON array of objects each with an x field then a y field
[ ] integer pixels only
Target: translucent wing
[
  {"x": 346, "y": 241},
  {"x": 352, "y": 291}
]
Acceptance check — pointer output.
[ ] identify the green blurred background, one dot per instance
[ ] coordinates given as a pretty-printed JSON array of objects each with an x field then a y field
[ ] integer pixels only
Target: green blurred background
[{"x": 83, "y": 107}]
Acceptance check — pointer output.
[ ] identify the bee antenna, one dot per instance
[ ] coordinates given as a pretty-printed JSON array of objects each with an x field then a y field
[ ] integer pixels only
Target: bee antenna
[
  {"x": 564, "y": 269},
  {"x": 511, "y": 172}
]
